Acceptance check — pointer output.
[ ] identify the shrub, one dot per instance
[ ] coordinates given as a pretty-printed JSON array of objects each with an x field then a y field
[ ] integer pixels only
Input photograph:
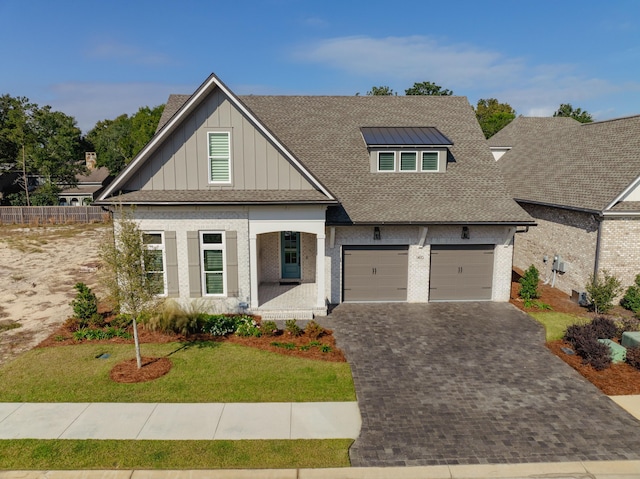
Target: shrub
[
  {"x": 601, "y": 291},
  {"x": 604, "y": 328},
  {"x": 173, "y": 317},
  {"x": 269, "y": 328},
  {"x": 313, "y": 330},
  {"x": 292, "y": 328},
  {"x": 247, "y": 326},
  {"x": 631, "y": 299},
  {"x": 218, "y": 324},
  {"x": 529, "y": 284},
  {"x": 633, "y": 357},
  {"x": 121, "y": 321},
  {"x": 584, "y": 340},
  {"x": 628, "y": 324},
  {"x": 325, "y": 348},
  {"x": 85, "y": 305}
]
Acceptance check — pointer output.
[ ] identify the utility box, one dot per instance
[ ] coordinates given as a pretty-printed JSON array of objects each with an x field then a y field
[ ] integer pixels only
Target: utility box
[{"x": 558, "y": 264}]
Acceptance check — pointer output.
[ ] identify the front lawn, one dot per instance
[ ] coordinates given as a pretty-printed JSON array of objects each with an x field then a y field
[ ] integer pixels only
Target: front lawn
[
  {"x": 202, "y": 372},
  {"x": 93, "y": 454}
]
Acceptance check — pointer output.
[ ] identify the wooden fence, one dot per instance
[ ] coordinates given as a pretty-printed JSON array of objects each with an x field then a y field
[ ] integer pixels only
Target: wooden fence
[{"x": 24, "y": 215}]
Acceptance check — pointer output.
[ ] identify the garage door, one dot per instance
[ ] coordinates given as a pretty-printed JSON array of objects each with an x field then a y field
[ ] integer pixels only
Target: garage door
[
  {"x": 461, "y": 272},
  {"x": 374, "y": 273}
]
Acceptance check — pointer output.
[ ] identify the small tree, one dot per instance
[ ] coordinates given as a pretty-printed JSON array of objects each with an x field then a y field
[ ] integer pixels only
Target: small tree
[
  {"x": 602, "y": 290},
  {"x": 124, "y": 276},
  {"x": 85, "y": 305},
  {"x": 529, "y": 284}
]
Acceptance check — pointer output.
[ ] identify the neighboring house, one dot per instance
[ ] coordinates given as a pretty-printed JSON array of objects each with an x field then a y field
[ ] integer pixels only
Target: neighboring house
[
  {"x": 285, "y": 204},
  {"x": 88, "y": 185},
  {"x": 525, "y": 126},
  {"x": 581, "y": 183}
]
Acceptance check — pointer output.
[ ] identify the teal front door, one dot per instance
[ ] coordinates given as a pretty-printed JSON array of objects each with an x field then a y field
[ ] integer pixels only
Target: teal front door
[{"x": 290, "y": 254}]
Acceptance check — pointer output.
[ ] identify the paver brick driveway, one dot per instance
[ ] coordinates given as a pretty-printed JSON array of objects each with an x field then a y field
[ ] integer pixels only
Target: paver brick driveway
[{"x": 467, "y": 383}]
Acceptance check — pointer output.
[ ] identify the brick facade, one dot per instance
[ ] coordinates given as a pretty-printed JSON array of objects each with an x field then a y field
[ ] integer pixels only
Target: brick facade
[
  {"x": 570, "y": 234},
  {"x": 620, "y": 248}
]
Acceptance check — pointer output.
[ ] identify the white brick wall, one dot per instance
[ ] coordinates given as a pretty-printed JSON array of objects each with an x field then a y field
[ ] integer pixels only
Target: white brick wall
[
  {"x": 182, "y": 220},
  {"x": 419, "y": 258}
]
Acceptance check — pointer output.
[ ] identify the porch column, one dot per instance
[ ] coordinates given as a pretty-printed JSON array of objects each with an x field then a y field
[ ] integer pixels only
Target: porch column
[
  {"x": 253, "y": 270},
  {"x": 320, "y": 303}
]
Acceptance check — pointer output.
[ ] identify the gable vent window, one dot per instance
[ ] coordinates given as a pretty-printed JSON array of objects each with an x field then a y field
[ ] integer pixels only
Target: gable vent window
[
  {"x": 429, "y": 161},
  {"x": 408, "y": 161},
  {"x": 219, "y": 157},
  {"x": 386, "y": 161}
]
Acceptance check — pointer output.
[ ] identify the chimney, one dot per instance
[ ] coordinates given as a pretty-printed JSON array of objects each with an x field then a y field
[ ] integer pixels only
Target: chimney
[{"x": 90, "y": 160}]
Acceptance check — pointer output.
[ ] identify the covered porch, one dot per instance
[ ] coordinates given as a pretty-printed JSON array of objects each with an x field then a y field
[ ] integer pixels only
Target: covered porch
[{"x": 287, "y": 263}]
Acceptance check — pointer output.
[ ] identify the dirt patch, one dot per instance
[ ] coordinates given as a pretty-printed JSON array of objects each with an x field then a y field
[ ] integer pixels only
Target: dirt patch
[
  {"x": 38, "y": 267},
  {"x": 558, "y": 300}
]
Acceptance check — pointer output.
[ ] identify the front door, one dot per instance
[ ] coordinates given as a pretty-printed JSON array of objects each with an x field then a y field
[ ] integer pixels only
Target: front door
[{"x": 290, "y": 254}]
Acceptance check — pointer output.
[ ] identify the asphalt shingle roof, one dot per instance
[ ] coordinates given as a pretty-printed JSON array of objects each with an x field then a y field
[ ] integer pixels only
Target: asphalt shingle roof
[
  {"x": 583, "y": 167},
  {"x": 526, "y": 126},
  {"x": 324, "y": 134},
  {"x": 221, "y": 196}
]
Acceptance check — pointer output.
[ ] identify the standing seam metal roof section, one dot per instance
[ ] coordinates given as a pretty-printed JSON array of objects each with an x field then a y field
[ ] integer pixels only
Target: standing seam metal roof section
[{"x": 404, "y": 136}]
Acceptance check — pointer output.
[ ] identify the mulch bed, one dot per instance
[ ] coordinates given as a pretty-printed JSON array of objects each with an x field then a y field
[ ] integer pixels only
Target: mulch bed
[
  {"x": 619, "y": 379},
  {"x": 152, "y": 368}
]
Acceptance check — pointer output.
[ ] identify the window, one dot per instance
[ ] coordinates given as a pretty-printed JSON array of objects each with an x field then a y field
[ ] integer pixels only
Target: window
[
  {"x": 154, "y": 266},
  {"x": 408, "y": 161},
  {"x": 213, "y": 264},
  {"x": 386, "y": 161},
  {"x": 219, "y": 157},
  {"x": 429, "y": 161}
]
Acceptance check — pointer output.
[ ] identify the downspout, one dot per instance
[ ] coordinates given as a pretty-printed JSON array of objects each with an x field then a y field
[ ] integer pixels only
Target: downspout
[{"x": 596, "y": 263}]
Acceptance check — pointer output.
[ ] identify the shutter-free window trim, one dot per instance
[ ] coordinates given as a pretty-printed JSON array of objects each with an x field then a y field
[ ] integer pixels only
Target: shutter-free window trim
[
  {"x": 430, "y": 161},
  {"x": 219, "y": 149},
  {"x": 386, "y": 161}
]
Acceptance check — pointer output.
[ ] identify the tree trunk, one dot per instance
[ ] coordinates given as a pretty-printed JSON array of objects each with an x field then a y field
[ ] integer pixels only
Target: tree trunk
[
  {"x": 24, "y": 176},
  {"x": 137, "y": 343}
]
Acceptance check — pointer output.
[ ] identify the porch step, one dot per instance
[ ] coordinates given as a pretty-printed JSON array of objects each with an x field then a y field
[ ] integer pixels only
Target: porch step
[{"x": 272, "y": 315}]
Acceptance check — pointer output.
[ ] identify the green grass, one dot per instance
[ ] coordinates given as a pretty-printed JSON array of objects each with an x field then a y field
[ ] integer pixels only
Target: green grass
[
  {"x": 555, "y": 323},
  {"x": 93, "y": 454},
  {"x": 201, "y": 372}
]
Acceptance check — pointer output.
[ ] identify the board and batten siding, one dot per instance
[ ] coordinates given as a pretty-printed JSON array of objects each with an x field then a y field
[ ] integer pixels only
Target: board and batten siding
[{"x": 181, "y": 162}]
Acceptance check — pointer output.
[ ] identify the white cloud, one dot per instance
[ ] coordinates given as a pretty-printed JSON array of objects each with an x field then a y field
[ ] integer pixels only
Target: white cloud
[
  {"x": 532, "y": 89},
  {"x": 413, "y": 58},
  {"x": 89, "y": 103}
]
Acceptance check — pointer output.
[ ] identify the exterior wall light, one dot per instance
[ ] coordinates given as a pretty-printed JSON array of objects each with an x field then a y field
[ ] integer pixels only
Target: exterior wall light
[
  {"x": 376, "y": 233},
  {"x": 465, "y": 232}
]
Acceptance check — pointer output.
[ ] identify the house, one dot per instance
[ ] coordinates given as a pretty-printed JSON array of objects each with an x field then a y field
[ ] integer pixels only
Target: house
[
  {"x": 285, "y": 204},
  {"x": 581, "y": 184},
  {"x": 88, "y": 185},
  {"x": 524, "y": 126}
]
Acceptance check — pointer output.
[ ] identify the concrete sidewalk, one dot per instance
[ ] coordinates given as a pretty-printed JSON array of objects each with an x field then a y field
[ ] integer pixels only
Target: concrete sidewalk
[
  {"x": 561, "y": 470},
  {"x": 173, "y": 421}
]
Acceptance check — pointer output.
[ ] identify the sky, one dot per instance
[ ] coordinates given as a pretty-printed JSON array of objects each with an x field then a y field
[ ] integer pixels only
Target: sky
[{"x": 95, "y": 60}]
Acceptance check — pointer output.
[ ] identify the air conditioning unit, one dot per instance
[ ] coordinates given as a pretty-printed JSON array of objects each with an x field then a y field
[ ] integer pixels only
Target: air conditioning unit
[{"x": 579, "y": 297}]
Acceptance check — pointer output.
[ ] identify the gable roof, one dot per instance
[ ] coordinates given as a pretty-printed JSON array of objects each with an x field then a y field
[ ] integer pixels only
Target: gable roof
[
  {"x": 585, "y": 167},
  {"x": 322, "y": 135}
]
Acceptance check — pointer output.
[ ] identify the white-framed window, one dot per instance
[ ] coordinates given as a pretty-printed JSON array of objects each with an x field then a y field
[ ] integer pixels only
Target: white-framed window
[
  {"x": 153, "y": 242},
  {"x": 212, "y": 255},
  {"x": 408, "y": 161},
  {"x": 430, "y": 160},
  {"x": 386, "y": 161},
  {"x": 219, "y": 150}
]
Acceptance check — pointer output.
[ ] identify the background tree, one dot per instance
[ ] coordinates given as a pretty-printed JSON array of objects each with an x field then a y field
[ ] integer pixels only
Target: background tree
[
  {"x": 116, "y": 142},
  {"x": 124, "y": 277},
  {"x": 427, "y": 88},
  {"x": 493, "y": 116},
  {"x": 578, "y": 114},
  {"x": 380, "y": 91},
  {"x": 38, "y": 142}
]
